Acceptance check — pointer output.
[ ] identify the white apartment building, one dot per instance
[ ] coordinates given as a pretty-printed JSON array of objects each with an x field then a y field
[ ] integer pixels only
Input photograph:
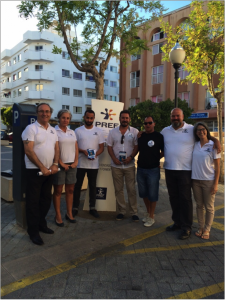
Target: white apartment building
[{"x": 31, "y": 74}]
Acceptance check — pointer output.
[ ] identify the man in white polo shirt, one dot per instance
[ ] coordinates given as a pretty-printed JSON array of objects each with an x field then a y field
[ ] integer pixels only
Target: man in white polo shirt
[
  {"x": 123, "y": 147},
  {"x": 178, "y": 147},
  {"x": 90, "y": 141},
  {"x": 41, "y": 155}
]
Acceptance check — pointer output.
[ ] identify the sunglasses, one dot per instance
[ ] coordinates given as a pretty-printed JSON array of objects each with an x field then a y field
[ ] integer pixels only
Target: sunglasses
[
  {"x": 150, "y": 123},
  {"x": 122, "y": 139}
]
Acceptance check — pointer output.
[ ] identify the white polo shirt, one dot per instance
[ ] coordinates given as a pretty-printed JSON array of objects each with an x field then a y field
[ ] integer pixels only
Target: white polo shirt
[
  {"x": 88, "y": 139},
  {"x": 129, "y": 141},
  {"x": 178, "y": 147},
  {"x": 67, "y": 142},
  {"x": 203, "y": 161},
  {"x": 44, "y": 143}
]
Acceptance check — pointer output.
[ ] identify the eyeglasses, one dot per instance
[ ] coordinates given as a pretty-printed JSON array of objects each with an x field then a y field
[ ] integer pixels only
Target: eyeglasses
[
  {"x": 150, "y": 123},
  {"x": 44, "y": 111},
  {"x": 203, "y": 130},
  {"x": 122, "y": 139}
]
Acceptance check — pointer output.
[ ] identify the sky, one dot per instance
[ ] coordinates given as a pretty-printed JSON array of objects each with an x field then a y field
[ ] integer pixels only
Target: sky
[{"x": 13, "y": 27}]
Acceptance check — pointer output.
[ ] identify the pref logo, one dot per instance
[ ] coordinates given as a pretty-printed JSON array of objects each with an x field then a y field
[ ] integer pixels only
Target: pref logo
[{"x": 108, "y": 114}]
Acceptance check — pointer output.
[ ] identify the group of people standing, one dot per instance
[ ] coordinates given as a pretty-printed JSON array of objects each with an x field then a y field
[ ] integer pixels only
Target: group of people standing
[{"x": 76, "y": 154}]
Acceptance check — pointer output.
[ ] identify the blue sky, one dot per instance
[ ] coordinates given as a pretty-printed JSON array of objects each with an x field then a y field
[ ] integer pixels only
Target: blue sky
[{"x": 13, "y": 27}]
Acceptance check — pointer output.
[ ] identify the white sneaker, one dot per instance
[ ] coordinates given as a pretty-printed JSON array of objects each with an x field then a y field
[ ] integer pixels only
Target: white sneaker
[
  {"x": 149, "y": 222},
  {"x": 144, "y": 220}
]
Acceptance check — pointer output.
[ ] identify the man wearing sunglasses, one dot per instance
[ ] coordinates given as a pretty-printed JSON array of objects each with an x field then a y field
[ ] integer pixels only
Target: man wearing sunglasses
[
  {"x": 123, "y": 147},
  {"x": 151, "y": 147}
]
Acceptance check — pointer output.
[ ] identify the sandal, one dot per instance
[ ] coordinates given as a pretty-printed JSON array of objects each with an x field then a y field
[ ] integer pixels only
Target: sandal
[
  {"x": 205, "y": 236},
  {"x": 199, "y": 233}
]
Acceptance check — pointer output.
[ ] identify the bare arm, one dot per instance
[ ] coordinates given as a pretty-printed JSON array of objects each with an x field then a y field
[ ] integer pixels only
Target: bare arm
[
  {"x": 74, "y": 165},
  {"x": 54, "y": 168},
  {"x": 216, "y": 145},
  {"x": 161, "y": 154},
  {"x": 83, "y": 151},
  {"x": 29, "y": 151},
  {"x": 133, "y": 154},
  {"x": 112, "y": 155},
  {"x": 100, "y": 150},
  {"x": 217, "y": 174}
]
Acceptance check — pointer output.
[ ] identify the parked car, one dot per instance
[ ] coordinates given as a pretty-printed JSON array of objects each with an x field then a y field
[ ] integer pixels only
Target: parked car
[
  {"x": 4, "y": 135},
  {"x": 10, "y": 136}
]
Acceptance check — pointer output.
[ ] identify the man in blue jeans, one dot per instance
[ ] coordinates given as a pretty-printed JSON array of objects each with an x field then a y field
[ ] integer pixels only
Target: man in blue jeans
[{"x": 151, "y": 147}]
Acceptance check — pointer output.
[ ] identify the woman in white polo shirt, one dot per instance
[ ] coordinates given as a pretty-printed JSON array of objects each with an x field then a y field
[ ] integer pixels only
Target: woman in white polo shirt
[
  {"x": 205, "y": 177},
  {"x": 67, "y": 162}
]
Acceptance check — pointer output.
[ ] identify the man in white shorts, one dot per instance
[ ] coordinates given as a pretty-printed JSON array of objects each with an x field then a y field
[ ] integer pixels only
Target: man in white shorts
[
  {"x": 90, "y": 140},
  {"x": 123, "y": 147},
  {"x": 41, "y": 155}
]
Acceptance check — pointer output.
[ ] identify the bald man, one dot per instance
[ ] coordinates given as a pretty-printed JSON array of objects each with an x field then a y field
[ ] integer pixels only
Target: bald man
[{"x": 178, "y": 147}]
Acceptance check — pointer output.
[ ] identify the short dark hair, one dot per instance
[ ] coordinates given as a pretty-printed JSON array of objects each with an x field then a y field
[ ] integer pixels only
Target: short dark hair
[
  {"x": 51, "y": 109},
  {"x": 195, "y": 130},
  {"x": 150, "y": 117},
  {"x": 125, "y": 111},
  {"x": 90, "y": 111}
]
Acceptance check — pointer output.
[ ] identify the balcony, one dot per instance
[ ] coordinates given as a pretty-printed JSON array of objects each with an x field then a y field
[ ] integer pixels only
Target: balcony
[
  {"x": 39, "y": 75},
  {"x": 6, "y": 54},
  {"x": 6, "y": 70},
  {"x": 37, "y": 36},
  {"x": 43, "y": 95},
  {"x": 38, "y": 55},
  {"x": 6, "y": 86}
]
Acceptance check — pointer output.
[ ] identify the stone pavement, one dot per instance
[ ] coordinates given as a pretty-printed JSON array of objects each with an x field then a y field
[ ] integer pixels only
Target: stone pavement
[{"x": 108, "y": 259}]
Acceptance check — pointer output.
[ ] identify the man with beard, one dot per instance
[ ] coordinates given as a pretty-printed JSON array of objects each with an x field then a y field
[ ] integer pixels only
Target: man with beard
[
  {"x": 90, "y": 141},
  {"x": 178, "y": 147},
  {"x": 123, "y": 147}
]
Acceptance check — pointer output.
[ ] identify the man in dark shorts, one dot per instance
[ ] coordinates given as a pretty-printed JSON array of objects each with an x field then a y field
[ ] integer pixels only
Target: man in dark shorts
[{"x": 151, "y": 147}]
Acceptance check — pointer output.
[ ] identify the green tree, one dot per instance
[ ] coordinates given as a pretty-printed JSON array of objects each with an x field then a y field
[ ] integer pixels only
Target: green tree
[
  {"x": 104, "y": 23},
  {"x": 159, "y": 111},
  {"x": 7, "y": 115},
  {"x": 202, "y": 37}
]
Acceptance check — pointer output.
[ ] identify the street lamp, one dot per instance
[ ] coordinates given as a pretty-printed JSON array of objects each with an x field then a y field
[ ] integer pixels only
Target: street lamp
[{"x": 177, "y": 55}]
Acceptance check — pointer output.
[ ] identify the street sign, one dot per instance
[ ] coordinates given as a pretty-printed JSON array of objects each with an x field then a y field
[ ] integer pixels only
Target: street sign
[{"x": 199, "y": 116}]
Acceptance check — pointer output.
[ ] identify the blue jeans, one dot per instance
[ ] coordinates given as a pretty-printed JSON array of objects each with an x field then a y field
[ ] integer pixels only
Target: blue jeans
[{"x": 148, "y": 183}]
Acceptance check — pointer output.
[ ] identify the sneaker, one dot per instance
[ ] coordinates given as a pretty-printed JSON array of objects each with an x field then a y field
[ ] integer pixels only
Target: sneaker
[
  {"x": 149, "y": 222},
  {"x": 94, "y": 213},
  {"x": 144, "y": 220},
  {"x": 119, "y": 217},
  {"x": 135, "y": 218}
]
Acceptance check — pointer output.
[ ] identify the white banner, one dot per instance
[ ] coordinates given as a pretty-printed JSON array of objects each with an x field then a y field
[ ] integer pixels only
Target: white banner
[{"x": 106, "y": 117}]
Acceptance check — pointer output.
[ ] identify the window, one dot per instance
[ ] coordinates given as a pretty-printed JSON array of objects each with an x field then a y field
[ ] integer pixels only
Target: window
[
  {"x": 77, "y": 76},
  {"x": 113, "y": 69},
  {"x": 135, "y": 57},
  {"x": 14, "y": 60},
  {"x": 65, "y": 91},
  {"x": 9, "y": 63},
  {"x": 210, "y": 101},
  {"x": 77, "y": 110},
  {"x": 19, "y": 75},
  {"x": 39, "y": 87},
  {"x": 14, "y": 94},
  {"x": 157, "y": 99},
  {"x": 133, "y": 102},
  {"x": 7, "y": 95},
  {"x": 183, "y": 73},
  {"x": 106, "y": 82},
  {"x": 77, "y": 93},
  {"x": 26, "y": 88},
  {"x": 184, "y": 96},
  {"x": 106, "y": 97},
  {"x": 112, "y": 83},
  {"x": 26, "y": 70},
  {"x": 157, "y": 48},
  {"x": 65, "y": 73},
  {"x": 65, "y": 55},
  {"x": 8, "y": 79},
  {"x": 38, "y": 67},
  {"x": 38, "y": 48},
  {"x": 14, "y": 77},
  {"x": 19, "y": 57},
  {"x": 19, "y": 92},
  {"x": 157, "y": 74},
  {"x": 112, "y": 98},
  {"x": 66, "y": 107},
  {"x": 89, "y": 77},
  {"x": 158, "y": 36},
  {"x": 134, "y": 79},
  {"x": 91, "y": 95}
]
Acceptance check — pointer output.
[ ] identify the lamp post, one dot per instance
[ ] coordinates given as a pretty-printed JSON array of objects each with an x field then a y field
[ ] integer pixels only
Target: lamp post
[{"x": 177, "y": 55}]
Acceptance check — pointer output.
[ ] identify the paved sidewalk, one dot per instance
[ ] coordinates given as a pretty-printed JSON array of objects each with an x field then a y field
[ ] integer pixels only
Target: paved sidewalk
[{"x": 104, "y": 259}]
